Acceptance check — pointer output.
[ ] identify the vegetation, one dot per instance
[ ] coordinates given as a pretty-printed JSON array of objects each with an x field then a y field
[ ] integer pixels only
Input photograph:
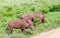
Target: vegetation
[{"x": 12, "y": 9}]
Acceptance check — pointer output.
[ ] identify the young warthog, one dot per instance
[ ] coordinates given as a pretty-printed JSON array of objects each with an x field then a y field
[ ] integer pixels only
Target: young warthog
[
  {"x": 20, "y": 24},
  {"x": 34, "y": 14}
]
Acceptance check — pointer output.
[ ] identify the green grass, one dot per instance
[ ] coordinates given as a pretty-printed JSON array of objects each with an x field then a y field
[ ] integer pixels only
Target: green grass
[
  {"x": 13, "y": 9},
  {"x": 52, "y": 21}
]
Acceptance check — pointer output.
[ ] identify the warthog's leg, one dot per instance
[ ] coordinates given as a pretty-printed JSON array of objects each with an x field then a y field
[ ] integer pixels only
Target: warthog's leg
[
  {"x": 10, "y": 30},
  {"x": 23, "y": 30}
]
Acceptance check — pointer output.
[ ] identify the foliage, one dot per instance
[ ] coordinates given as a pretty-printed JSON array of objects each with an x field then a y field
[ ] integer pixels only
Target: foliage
[{"x": 13, "y": 9}]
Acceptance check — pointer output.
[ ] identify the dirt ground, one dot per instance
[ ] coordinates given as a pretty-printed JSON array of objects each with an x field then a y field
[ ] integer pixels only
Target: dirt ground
[{"x": 54, "y": 33}]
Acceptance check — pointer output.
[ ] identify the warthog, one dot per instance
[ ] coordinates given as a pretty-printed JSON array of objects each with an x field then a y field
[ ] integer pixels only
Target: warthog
[
  {"x": 34, "y": 14},
  {"x": 20, "y": 24}
]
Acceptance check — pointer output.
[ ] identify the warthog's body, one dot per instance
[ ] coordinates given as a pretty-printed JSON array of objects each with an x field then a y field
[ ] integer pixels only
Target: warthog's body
[
  {"x": 34, "y": 14},
  {"x": 20, "y": 24}
]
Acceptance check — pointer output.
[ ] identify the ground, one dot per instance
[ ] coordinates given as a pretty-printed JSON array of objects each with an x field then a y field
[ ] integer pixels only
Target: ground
[{"x": 54, "y": 33}]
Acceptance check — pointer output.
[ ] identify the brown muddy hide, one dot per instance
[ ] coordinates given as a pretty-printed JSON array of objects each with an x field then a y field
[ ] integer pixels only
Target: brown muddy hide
[
  {"x": 30, "y": 23},
  {"x": 39, "y": 16},
  {"x": 20, "y": 24},
  {"x": 26, "y": 16},
  {"x": 34, "y": 14}
]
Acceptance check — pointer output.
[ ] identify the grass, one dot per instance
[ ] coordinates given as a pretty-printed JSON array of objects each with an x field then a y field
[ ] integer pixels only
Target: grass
[
  {"x": 12, "y": 9},
  {"x": 52, "y": 21}
]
